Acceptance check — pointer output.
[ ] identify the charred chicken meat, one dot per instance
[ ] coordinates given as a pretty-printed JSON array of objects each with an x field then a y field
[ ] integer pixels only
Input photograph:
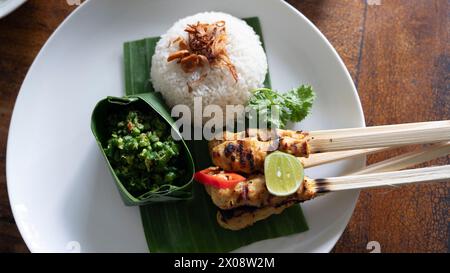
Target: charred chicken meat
[
  {"x": 244, "y": 200},
  {"x": 245, "y": 152}
]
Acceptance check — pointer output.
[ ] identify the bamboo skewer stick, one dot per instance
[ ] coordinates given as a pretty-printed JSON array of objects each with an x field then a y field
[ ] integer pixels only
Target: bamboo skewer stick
[
  {"x": 323, "y": 158},
  {"x": 388, "y": 136},
  {"x": 421, "y": 175},
  {"x": 408, "y": 160},
  {"x": 381, "y": 128}
]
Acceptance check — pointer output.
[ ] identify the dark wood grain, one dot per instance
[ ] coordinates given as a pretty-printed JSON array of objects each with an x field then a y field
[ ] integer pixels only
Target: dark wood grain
[
  {"x": 402, "y": 74},
  {"x": 397, "y": 54},
  {"x": 342, "y": 22},
  {"x": 404, "y": 77}
]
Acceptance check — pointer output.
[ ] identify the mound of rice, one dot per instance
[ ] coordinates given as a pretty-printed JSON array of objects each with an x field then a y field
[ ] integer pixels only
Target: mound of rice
[{"x": 219, "y": 87}]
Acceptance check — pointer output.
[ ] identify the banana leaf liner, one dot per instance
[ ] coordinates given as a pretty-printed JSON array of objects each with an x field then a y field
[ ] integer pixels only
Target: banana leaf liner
[
  {"x": 179, "y": 190},
  {"x": 191, "y": 226}
]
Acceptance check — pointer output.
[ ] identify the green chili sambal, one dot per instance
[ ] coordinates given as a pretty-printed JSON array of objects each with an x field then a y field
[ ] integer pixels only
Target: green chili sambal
[{"x": 142, "y": 152}]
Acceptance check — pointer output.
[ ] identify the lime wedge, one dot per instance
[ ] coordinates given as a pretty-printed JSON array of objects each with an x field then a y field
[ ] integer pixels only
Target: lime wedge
[{"x": 284, "y": 173}]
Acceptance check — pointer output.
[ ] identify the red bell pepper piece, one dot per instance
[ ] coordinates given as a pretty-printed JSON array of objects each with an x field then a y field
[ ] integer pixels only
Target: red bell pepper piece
[{"x": 218, "y": 178}]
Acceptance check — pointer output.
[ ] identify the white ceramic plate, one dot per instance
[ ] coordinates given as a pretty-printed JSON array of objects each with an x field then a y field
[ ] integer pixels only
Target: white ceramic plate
[
  {"x": 61, "y": 193},
  {"x": 8, "y": 6}
]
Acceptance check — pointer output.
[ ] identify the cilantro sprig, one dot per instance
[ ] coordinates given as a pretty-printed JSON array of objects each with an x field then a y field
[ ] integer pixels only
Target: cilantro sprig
[{"x": 279, "y": 108}]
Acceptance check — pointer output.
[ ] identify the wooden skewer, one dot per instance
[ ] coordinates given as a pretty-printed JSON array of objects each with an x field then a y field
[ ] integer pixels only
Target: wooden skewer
[
  {"x": 408, "y": 160},
  {"x": 403, "y": 161},
  {"x": 386, "y": 136},
  {"x": 430, "y": 174},
  {"x": 323, "y": 158},
  {"x": 428, "y": 153},
  {"x": 373, "y": 129}
]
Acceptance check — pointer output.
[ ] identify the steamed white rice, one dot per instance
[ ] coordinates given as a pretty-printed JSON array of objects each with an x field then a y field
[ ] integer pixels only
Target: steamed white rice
[{"x": 219, "y": 87}]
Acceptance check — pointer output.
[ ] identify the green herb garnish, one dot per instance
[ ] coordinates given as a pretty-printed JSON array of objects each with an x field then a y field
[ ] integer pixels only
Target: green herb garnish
[
  {"x": 142, "y": 152},
  {"x": 277, "y": 109}
]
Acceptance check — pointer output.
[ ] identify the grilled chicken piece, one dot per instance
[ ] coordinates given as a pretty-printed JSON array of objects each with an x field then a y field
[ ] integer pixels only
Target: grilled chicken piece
[
  {"x": 240, "y": 218},
  {"x": 250, "y": 201},
  {"x": 253, "y": 193},
  {"x": 245, "y": 152}
]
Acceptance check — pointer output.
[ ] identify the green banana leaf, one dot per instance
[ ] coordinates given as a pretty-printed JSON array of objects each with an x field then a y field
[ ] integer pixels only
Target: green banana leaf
[
  {"x": 149, "y": 102},
  {"x": 191, "y": 226}
]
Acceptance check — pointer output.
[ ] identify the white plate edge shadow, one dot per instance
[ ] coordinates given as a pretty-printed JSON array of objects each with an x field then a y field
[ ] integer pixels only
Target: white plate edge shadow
[{"x": 327, "y": 243}]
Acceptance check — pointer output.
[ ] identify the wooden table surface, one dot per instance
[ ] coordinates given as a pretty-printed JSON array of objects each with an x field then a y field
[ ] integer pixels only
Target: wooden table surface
[{"x": 398, "y": 54}]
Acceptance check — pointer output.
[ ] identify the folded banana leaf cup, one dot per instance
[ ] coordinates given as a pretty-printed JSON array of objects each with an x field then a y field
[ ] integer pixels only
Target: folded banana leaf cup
[{"x": 178, "y": 190}]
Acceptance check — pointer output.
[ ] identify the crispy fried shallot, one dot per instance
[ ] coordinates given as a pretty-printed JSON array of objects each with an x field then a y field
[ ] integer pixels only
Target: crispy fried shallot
[{"x": 206, "y": 47}]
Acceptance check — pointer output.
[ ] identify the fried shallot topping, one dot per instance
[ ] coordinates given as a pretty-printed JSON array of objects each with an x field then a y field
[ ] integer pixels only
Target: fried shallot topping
[{"x": 206, "y": 46}]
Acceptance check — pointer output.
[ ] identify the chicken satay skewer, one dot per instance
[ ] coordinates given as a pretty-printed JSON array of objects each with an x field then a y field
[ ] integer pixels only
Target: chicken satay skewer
[
  {"x": 245, "y": 152},
  {"x": 242, "y": 217},
  {"x": 253, "y": 191}
]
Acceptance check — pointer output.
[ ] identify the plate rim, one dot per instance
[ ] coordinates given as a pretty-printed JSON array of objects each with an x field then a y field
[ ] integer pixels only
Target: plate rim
[
  {"x": 362, "y": 119},
  {"x": 25, "y": 236},
  {"x": 10, "y": 7}
]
